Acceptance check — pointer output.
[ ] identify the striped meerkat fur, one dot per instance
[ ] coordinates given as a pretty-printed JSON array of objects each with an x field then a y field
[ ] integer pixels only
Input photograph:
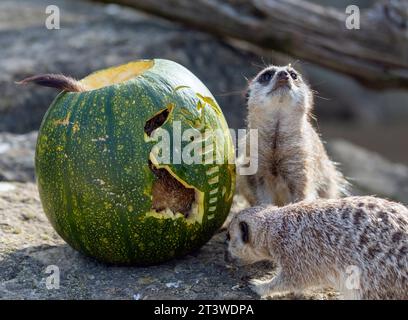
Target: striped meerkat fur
[{"x": 357, "y": 245}]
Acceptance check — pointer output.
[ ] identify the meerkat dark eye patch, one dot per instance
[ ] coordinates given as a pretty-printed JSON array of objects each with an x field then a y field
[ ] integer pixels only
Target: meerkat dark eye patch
[
  {"x": 266, "y": 76},
  {"x": 228, "y": 237},
  {"x": 244, "y": 231}
]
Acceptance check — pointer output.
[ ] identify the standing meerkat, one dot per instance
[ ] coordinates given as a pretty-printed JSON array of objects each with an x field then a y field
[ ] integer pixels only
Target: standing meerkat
[
  {"x": 357, "y": 245},
  {"x": 292, "y": 162}
]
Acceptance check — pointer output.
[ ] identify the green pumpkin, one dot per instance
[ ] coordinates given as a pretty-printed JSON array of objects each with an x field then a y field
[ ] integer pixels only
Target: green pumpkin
[{"x": 93, "y": 172}]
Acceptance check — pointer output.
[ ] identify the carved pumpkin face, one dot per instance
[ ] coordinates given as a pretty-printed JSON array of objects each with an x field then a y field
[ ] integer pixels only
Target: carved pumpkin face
[{"x": 122, "y": 172}]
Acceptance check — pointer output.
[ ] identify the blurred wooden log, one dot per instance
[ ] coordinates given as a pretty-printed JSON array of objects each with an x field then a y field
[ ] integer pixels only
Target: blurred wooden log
[
  {"x": 376, "y": 54},
  {"x": 369, "y": 172}
]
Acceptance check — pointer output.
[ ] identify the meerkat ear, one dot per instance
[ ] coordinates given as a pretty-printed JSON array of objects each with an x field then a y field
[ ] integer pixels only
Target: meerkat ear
[{"x": 244, "y": 231}]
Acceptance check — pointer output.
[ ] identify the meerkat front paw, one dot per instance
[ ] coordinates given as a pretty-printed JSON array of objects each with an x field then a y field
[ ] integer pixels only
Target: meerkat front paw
[{"x": 260, "y": 287}]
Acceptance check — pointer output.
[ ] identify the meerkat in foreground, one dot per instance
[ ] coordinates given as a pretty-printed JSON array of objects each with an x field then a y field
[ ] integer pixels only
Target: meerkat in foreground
[
  {"x": 292, "y": 162},
  {"x": 357, "y": 245}
]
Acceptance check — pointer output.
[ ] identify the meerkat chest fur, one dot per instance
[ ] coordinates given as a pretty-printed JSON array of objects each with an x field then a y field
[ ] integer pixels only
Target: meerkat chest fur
[
  {"x": 282, "y": 137},
  {"x": 282, "y": 144}
]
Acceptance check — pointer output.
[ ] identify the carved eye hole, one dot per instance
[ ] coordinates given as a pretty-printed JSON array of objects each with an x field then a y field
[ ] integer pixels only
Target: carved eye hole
[
  {"x": 244, "y": 231},
  {"x": 266, "y": 76},
  {"x": 293, "y": 75}
]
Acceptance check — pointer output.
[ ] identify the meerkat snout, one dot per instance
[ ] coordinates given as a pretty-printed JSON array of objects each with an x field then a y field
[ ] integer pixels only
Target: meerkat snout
[{"x": 239, "y": 238}]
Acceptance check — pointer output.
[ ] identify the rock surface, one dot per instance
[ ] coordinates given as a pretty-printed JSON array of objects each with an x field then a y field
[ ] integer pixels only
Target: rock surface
[{"x": 17, "y": 156}]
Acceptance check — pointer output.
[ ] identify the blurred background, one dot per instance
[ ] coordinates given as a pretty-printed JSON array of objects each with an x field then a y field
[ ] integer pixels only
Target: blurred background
[{"x": 363, "y": 121}]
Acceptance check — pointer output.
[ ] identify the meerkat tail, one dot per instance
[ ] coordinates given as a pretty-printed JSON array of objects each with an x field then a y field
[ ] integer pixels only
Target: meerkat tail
[{"x": 58, "y": 81}]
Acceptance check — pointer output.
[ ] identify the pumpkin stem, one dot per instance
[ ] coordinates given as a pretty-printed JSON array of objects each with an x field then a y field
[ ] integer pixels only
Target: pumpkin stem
[{"x": 58, "y": 81}]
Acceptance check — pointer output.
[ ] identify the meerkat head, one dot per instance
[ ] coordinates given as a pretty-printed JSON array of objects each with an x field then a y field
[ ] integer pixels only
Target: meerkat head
[
  {"x": 243, "y": 238},
  {"x": 279, "y": 86}
]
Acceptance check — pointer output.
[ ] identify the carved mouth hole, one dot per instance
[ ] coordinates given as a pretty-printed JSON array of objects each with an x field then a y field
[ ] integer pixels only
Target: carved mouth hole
[
  {"x": 157, "y": 121},
  {"x": 170, "y": 195}
]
